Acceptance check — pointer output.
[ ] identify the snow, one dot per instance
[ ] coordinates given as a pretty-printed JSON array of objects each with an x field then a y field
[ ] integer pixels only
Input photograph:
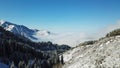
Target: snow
[
  {"x": 2, "y": 22},
  {"x": 3, "y": 65},
  {"x": 103, "y": 54},
  {"x": 107, "y": 42},
  {"x": 9, "y": 28}
]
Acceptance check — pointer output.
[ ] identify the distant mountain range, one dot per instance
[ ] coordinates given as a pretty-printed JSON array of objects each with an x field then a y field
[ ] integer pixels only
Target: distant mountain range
[{"x": 68, "y": 38}]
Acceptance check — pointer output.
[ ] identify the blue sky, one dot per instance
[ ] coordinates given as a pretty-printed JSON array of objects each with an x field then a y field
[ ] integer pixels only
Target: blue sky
[{"x": 61, "y": 15}]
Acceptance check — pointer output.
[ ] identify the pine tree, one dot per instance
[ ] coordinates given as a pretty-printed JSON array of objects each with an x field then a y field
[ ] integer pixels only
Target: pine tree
[{"x": 62, "y": 61}]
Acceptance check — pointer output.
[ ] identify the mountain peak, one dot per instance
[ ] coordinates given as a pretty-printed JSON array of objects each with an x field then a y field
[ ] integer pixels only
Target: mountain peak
[
  {"x": 23, "y": 30},
  {"x": 2, "y": 22},
  {"x": 43, "y": 32}
]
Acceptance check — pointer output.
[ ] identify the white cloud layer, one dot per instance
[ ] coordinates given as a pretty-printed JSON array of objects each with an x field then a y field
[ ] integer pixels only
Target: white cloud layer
[{"x": 73, "y": 39}]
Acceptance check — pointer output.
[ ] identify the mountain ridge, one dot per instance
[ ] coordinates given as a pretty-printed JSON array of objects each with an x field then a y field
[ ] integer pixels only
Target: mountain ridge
[
  {"x": 44, "y": 35},
  {"x": 22, "y": 30},
  {"x": 16, "y": 49}
]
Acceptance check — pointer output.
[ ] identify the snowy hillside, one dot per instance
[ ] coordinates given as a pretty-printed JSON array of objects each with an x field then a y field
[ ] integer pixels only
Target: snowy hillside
[
  {"x": 105, "y": 53},
  {"x": 3, "y": 65}
]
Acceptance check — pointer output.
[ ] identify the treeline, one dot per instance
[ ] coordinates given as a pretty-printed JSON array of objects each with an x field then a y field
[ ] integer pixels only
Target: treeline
[
  {"x": 88, "y": 43},
  {"x": 18, "y": 51},
  {"x": 113, "y": 33}
]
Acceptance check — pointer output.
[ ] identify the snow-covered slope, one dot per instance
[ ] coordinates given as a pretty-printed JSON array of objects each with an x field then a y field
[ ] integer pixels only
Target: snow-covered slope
[
  {"x": 105, "y": 53},
  {"x": 3, "y": 65},
  {"x": 68, "y": 38}
]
